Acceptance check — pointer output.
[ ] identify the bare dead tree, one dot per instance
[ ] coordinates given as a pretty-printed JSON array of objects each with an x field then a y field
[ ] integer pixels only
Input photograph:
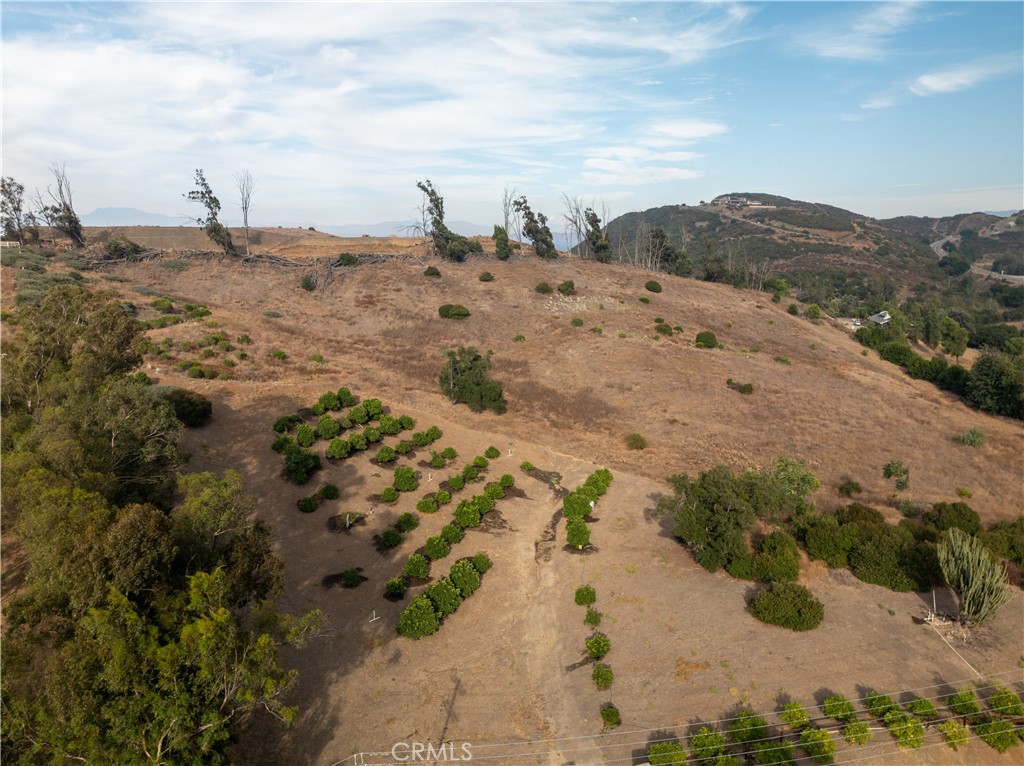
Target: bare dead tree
[
  {"x": 63, "y": 210},
  {"x": 246, "y": 185},
  {"x": 642, "y": 246},
  {"x": 44, "y": 212},
  {"x": 510, "y": 216},
  {"x": 576, "y": 224}
]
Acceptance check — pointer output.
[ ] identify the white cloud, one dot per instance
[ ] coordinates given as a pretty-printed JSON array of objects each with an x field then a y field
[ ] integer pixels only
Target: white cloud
[
  {"x": 967, "y": 75},
  {"x": 867, "y": 36}
]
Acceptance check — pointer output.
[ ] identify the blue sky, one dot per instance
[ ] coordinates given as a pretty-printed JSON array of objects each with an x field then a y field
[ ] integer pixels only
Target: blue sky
[{"x": 337, "y": 109}]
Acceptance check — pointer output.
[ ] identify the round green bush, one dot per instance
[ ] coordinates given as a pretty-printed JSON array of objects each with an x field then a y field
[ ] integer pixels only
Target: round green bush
[
  {"x": 339, "y": 448},
  {"x": 706, "y": 339},
  {"x": 663, "y": 329},
  {"x": 507, "y": 481},
  {"x": 405, "y": 479},
  {"x": 407, "y": 522},
  {"x": 403, "y": 447},
  {"x": 390, "y": 538},
  {"x": 456, "y": 482},
  {"x": 635, "y": 441},
  {"x": 307, "y": 504},
  {"x": 467, "y": 515},
  {"x": 486, "y": 277},
  {"x": 427, "y": 505},
  {"x": 449, "y": 453},
  {"x": 329, "y": 492},
  {"x": 442, "y": 498},
  {"x": 417, "y": 566},
  {"x": 602, "y": 676},
  {"x": 787, "y": 605},
  {"x": 480, "y": 462},
  {"x": 436, "y": 548},
  {"x": 481, "y": 563},
  {"x": 436, "y": 461},
  {"x": 453, "y": 311},
  {"x": 593, "y": 618},
  {"x": 431, "y": 271},
  {"x": 389, "y": 494},
  {"x": 418, "y": 619},
  {"x": 452, "y": 534},
  {"x": 598, "y": 645},
  {"x": 327, "y": 427},
  {"x": 576, "y": 321},
  {"x": 444, "y": 596},
  {"x": 492, "y": 453},
  {"x": 666, "y": 754},
  {"x": 465, "y": 577},
  {"x": 543, "y": 288},
  {"x": 351, "y": 578},
  {"x": 610, "y": 715},
  {"x": 567, "y": 287},
  {"x": 386, "y": 455},
  {"x": 793, "y": 309},
  {"x": 586, "y": 595},
  {"x": 653, "y": 286},
  {"x": 394, "y": 589}
]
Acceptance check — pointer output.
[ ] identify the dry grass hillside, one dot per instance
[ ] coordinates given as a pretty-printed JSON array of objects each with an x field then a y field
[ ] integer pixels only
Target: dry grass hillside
[{"x": 506, "y": 672}]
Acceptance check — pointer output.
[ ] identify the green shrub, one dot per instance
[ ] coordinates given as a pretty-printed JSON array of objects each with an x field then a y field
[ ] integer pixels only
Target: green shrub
[
  {"x": 840, "y": 708},
  {"x": 405, "y": 479},
  {"x": 486, "y": 277},
  {"x": 327, "y": 427},
  {"x": 299, "y": 464},
  {"x": 706, "y": 339},
  {"x": 879, "y": 705},
  {"x": 191, "y": 408},
  {"x": 905, "y": 728},
  {"x": 403, "y": 447},
  {"x": 452, "y": 534},
  {"x": 964, "y": 702},
  {"x": 444, "y": 596},
  {"x": 467, "y": 515},
  {"x": 666, "y": 754},
  {"x": 602, "y": 676},
  {"x": 707, "y": 744},
  {"x": 777, "y": 752},
  {"x": 283, "y": 443},
  {"x": 481, "y": 462},
  {"x": 610, "y": 715},
  {"x": 470, "y": 472},
  {"x": 742, "y": 388},
  {"x": 543, "y": 288},
  {"x": 481, "y": 563},
  {"x": 339, "y": 449},
  {"x": 427, "y": 505},
  {"x": 453, "y": 311},
  {"x": 586, "y": 595},
  {"x": 351, "y": 578},
  {"x": 492, "y": 453},
  {"x": 592, "y": 618},
  {"x": 793, "y": 309},
  {"x": 436, "y": 548},
  {"x": 305, "y": 435},
  {"x": 526, "y": 466},
  {"x": 389, "y": 494},
  {"x": 996, "y": 733},
  {"x": 1004, "y": 702},
  {"x": 819, "y": 745},
  {"x": 644, "y": 299},
  {"x": 389, "y": 426},
  {"x": 119, "y": 246},
  {"x": 813, "y": 312},
  {"x": 276, "y": 353},
  {"x": 567, "y": 287},
  {"x": 418, "y": 619},
  {"x": 394, "y": 589},
  {"x": 407, "y": 522},
  {"x": 163, "y": 305},
  {"x": 431, "y": 271},
  {"x": 308, "y": 504},
  {"x": 849, "y": 488},
  {"x": 794, "y": 714},
  {"x": 456, "y": 482},
  {"x": 577, "y": 533},
  {"x": 653, "y": 286},
  {"x": 465, "y": 577},
  {"x": 390, "y": 538},
  {"x": 329, "y": 492},
  {"x": 436, "y": 461},
  {"x": 787, "y": 605},
  {"x": 598, "y": 645},
  {"x": 922, "y": 708},
  {"x": 747, "y": 727},
  {"x": 417, "y": 566},
  {"x": 576, "y": 322},
  {"x": 972, "y": 437},
  {"x": 507, "y": 481},
  {"x": 945, "y": 516},
  {"x": 663, "y": 329},
  {"x": 308, "y": 282},
  {"x": 386, "y": 455},
  {"x": 442, "y": 498},
  {"x": 635, "y": 441},
  {"x": 778, "y": 560},
  {"x": 857, "y": 732},
  {"x": 954, "y": 733},
  {"x": 494, "y": 490}
]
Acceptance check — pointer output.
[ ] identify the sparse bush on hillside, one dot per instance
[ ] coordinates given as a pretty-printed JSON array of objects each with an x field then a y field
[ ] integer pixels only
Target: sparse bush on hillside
[
  {"x": 543, "y": 288},
  {"x": 635, "y": 441},
  {"x": 464, "y": 378},
  {"x": 653, "y": 286},
  {"x": 453, "y": 311},
  {"x": 793, "y": 309},
  {"x": 486, "y": 277},
  {"x": 119, "y": 246},
  {"x": 567, "y": 287},
  {"x": 431, "y": 271},
  {"x": 502, "y": 246},
  {"x": 706, "y": 339},
  {"x": 972, "y": 437}
]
